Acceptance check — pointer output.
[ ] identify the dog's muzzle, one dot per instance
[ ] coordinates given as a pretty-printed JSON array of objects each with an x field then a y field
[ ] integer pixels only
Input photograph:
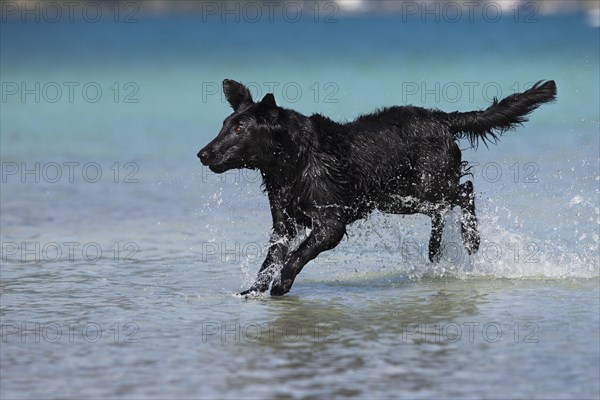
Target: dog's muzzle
[
  {"x": 204, "y": 156},
  {"x": 212, "y": 161}
]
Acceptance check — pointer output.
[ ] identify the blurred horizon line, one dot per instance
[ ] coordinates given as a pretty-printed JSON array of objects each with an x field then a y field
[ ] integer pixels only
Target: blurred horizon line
[
  {"x": 348, "y": 7},
  {"x": 326, "y": 11}
]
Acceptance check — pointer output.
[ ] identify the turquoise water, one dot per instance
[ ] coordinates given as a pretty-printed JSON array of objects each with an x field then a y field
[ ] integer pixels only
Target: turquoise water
[{"x": 121, "y": 255}]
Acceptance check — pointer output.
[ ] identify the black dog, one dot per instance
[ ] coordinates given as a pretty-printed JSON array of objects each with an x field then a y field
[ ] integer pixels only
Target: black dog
[{"x": 324, "y": 175}]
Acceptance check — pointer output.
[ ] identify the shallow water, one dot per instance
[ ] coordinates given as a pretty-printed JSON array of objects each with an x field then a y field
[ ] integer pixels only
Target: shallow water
[{"x": 122, "y": 284}]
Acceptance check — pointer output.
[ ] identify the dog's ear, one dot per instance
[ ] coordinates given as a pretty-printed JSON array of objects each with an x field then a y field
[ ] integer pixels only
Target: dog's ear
[
  {"x": 268, "y": 102},
  {"x": 236, "y": 93},
  {"x": 267, "y": 106}
]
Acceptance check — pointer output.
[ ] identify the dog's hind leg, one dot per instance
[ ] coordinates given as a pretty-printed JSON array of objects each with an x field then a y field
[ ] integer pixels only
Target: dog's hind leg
[
  {"x": 437, "y": 212},
  {"x": 468, "y": 223},
  {"x": 435, "y": 241}
]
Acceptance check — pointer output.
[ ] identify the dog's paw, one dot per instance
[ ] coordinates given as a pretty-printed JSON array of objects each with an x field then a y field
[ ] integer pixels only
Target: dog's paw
[
  {"x": 255, "y": 290},
  {"x": 281, "y": 288},
  {"x": 248, "y": 293},
  {"x": 251, "y": 293}
]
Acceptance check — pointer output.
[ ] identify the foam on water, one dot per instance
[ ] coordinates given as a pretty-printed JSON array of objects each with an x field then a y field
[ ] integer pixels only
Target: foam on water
[{"x": 392, "y": 248}]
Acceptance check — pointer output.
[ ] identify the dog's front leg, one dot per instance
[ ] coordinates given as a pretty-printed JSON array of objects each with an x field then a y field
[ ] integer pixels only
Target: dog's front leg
[
  {"x": 324, "y": 236},
  {"x": 284, "y": 231},
  {"x": 278, "y": 250}
]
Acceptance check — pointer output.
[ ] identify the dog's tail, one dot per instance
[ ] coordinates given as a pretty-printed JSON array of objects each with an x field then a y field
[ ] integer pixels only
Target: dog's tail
[{"x": 501, "y": 116}]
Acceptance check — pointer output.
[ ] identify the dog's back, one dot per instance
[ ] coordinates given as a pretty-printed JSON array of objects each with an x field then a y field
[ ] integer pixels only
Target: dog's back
[{"x": 396, "y": 150}]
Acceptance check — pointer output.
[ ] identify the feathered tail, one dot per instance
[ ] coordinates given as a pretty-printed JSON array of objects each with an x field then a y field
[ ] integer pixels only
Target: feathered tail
[{"x": 501, "y": 116}]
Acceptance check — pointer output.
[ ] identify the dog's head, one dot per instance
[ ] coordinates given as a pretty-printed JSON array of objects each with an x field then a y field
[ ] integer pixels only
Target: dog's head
[{"x": 246, "y": 138}]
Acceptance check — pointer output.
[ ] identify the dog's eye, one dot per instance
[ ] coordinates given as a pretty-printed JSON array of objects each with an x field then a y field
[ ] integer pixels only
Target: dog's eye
[{"x": 237, "y": 129}]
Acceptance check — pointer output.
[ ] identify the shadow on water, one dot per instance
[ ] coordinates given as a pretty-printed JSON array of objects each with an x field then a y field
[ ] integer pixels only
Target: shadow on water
[
  {"x": 381, "y": 308},
  {"x": 312, "y": 343}
]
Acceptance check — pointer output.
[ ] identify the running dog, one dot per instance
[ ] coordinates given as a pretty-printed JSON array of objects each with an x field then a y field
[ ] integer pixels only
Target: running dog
[{"x": 324, "y": 175}]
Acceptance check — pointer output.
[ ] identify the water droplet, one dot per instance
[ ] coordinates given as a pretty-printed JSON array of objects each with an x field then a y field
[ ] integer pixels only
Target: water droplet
[{"x": 575, "y": 200}]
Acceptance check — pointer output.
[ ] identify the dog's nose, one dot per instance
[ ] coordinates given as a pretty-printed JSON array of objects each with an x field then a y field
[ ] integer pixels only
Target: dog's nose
[{"x": 203, "y": 155}]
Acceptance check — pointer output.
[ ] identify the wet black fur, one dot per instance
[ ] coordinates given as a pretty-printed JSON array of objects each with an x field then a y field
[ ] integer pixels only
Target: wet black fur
[{"x": 324, "y": 175}]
